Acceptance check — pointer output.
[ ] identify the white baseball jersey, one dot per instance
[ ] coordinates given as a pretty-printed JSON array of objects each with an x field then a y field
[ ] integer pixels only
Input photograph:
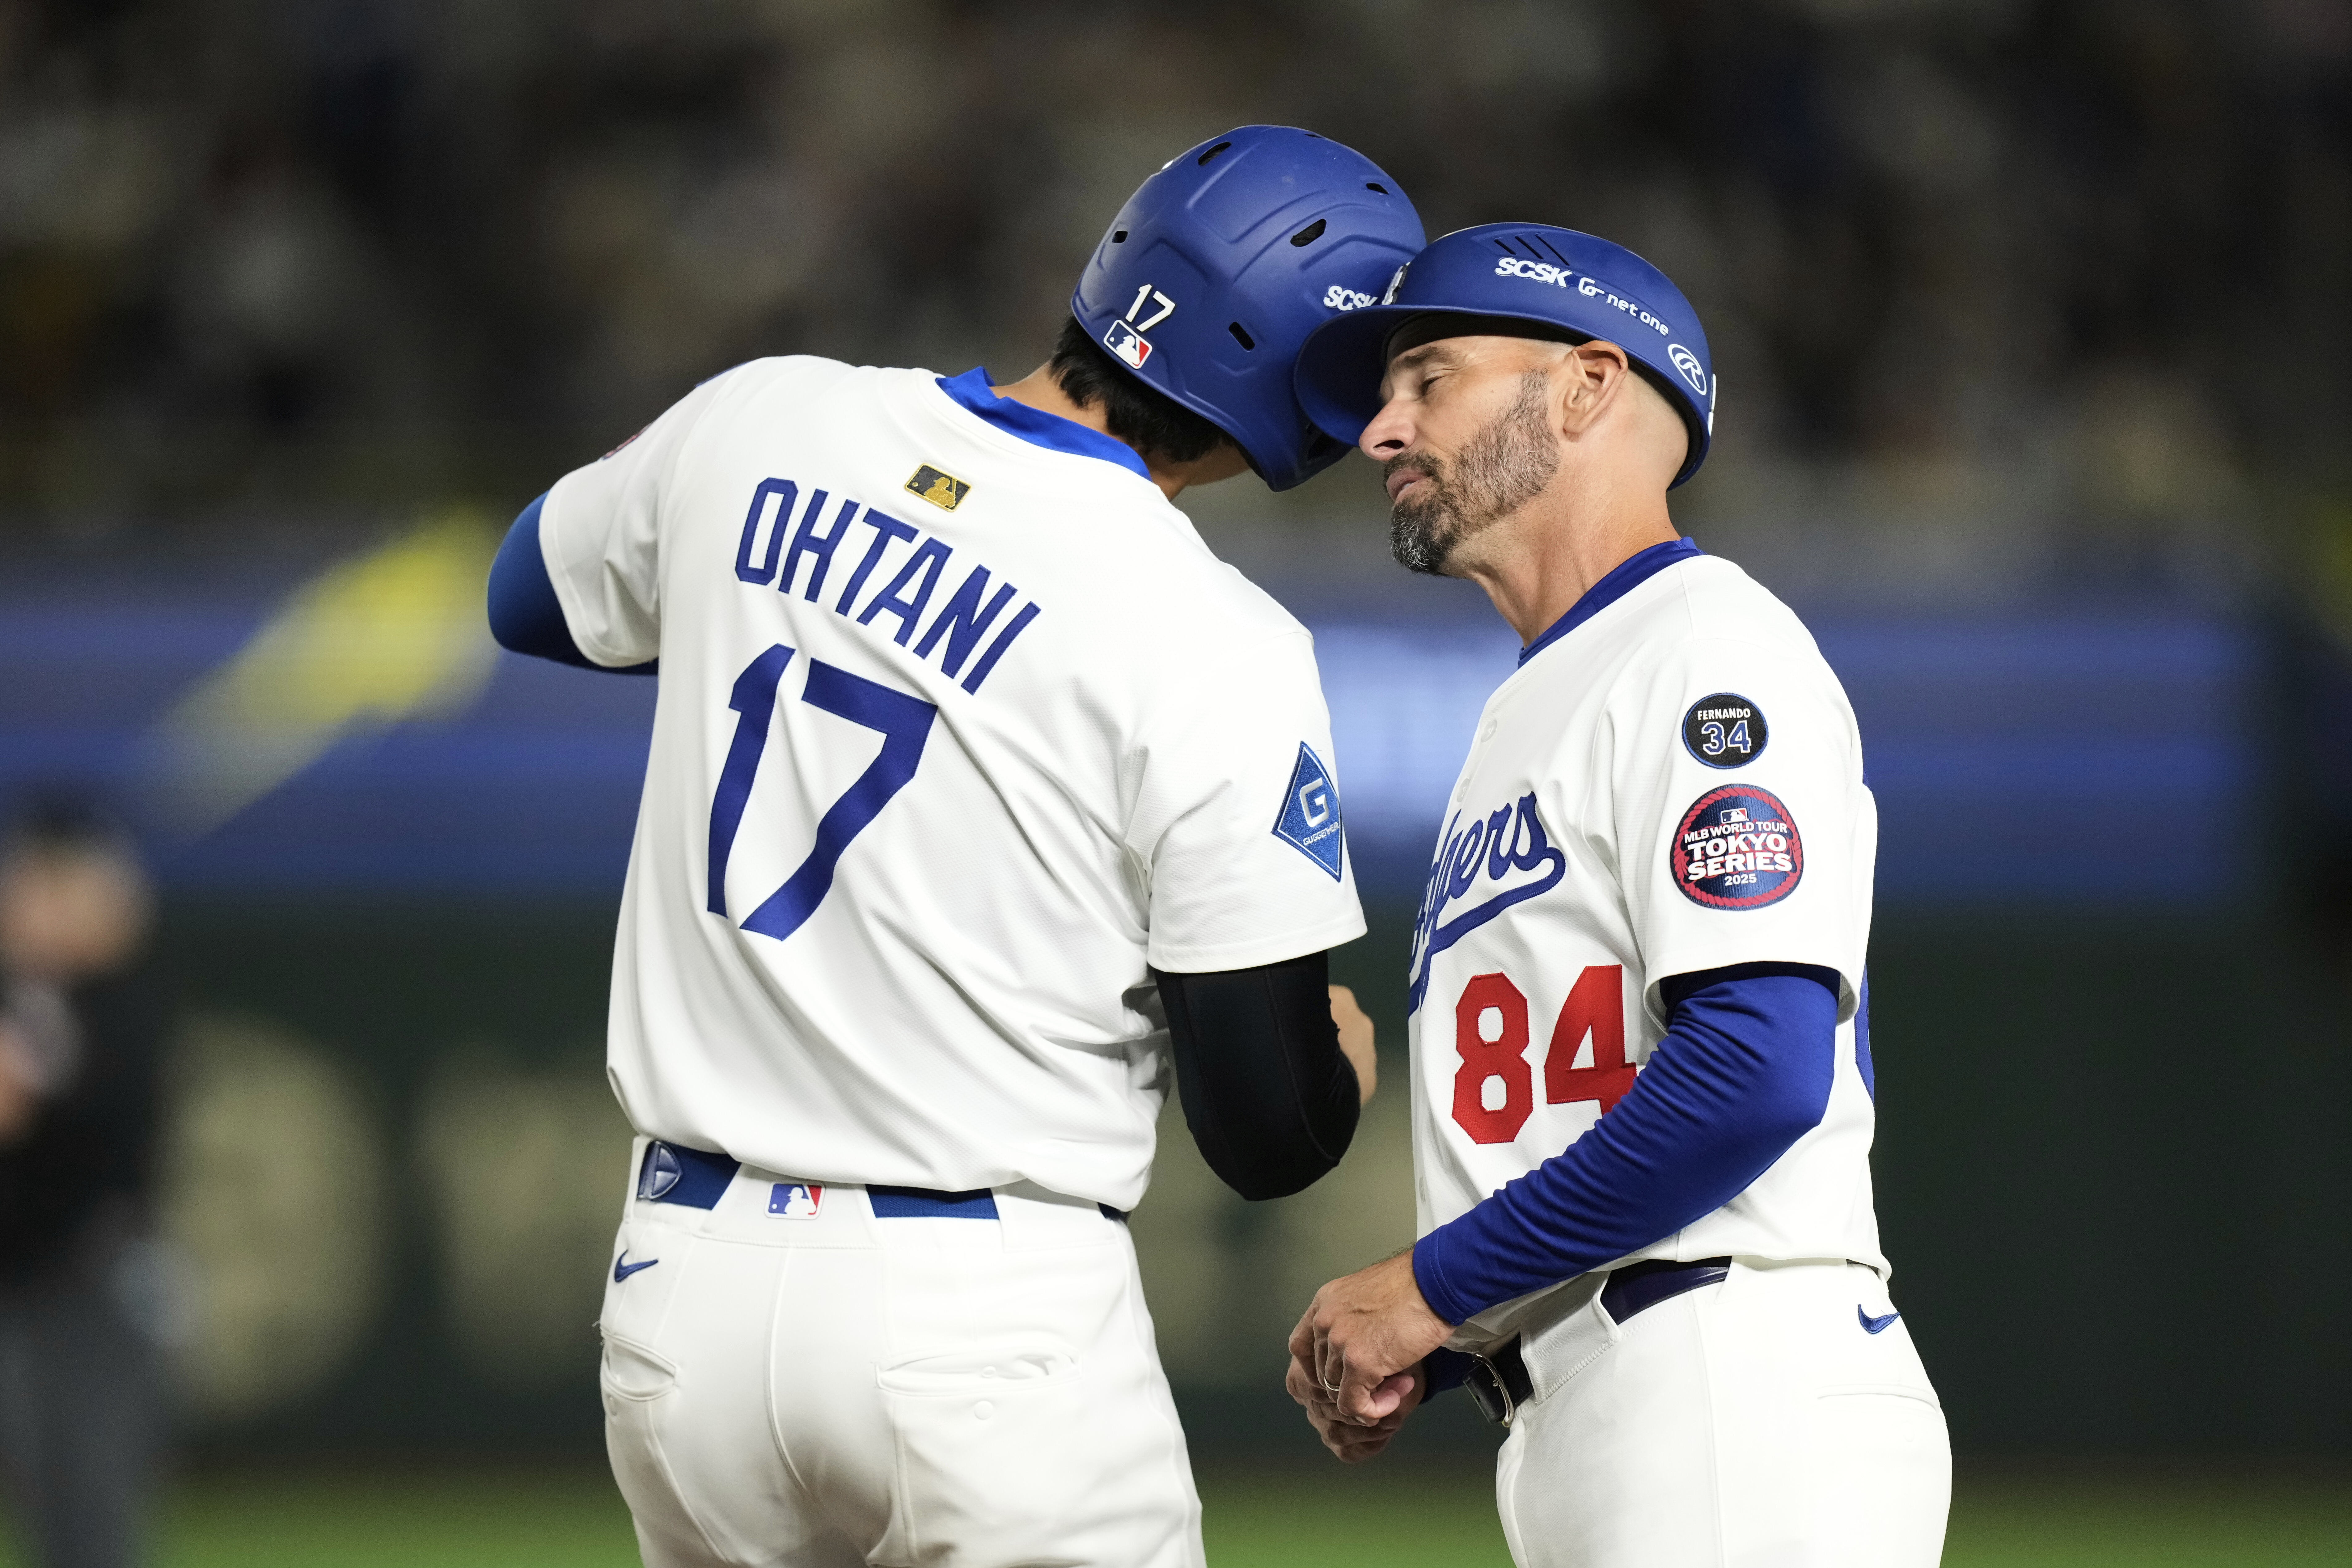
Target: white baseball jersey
[
  {"x": 960, "y": 727},
  {"x": 1671, "y": 786}
]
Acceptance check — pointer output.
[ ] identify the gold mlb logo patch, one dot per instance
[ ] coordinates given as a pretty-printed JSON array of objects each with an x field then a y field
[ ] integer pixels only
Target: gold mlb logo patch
[{"x": 944, "y": 491}]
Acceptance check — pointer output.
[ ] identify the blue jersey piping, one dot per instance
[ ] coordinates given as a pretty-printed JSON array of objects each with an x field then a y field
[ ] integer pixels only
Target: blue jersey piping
[
  {"x": 1622, "y": 579},
  {"x": 1036, "y": 426}
]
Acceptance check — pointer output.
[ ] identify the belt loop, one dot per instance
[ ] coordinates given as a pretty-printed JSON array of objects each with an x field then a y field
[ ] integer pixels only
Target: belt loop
[{"x": 674, "y": 1174}]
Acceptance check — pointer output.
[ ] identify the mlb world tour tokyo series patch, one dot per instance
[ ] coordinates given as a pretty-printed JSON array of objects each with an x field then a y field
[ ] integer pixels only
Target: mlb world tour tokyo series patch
[{"x": 1737, "y": 848}]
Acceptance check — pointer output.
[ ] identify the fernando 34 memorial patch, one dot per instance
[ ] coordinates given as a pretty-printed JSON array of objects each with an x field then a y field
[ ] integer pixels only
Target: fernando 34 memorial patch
[{"x": 1738, "y": 849}]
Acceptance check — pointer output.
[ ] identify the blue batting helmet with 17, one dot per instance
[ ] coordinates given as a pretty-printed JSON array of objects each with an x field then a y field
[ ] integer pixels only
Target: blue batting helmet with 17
[{"x": 1220, "y": 265}]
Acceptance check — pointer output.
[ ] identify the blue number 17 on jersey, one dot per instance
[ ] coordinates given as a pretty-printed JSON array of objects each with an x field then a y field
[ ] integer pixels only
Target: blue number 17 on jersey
[{"x": 904, "y": 723}]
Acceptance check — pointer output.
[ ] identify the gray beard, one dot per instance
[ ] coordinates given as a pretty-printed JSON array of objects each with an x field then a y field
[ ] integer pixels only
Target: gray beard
[{"x": 1503, "y": 467}]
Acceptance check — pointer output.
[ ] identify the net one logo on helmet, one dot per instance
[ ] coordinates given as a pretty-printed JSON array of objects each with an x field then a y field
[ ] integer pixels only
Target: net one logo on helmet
[{"x": 1615, "y": 302}]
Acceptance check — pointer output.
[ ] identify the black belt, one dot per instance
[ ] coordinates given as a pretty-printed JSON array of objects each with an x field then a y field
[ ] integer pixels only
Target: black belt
[
  {"x": 1498, "y": 1381},
  {"x": 674, "y": 1174}
]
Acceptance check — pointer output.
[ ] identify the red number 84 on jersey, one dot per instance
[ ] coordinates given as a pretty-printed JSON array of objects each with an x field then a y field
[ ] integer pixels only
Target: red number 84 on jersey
[{"x": 1595, "y": 1006}]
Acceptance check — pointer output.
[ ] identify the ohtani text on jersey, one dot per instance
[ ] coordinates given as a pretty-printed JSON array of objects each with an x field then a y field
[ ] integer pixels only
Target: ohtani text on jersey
[{"x": 961, "y": 624}]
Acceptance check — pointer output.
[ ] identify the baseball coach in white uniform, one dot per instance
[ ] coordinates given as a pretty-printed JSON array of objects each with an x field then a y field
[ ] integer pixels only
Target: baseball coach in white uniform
[
  {"x": 1641, "y": 1055},
  {"x": 982, "y": 800}
]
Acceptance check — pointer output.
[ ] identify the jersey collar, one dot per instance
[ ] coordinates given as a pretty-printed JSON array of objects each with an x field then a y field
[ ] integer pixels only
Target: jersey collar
[
  {"x": 1622, "y": 579},
  {"x": 1035, "y": 426}
]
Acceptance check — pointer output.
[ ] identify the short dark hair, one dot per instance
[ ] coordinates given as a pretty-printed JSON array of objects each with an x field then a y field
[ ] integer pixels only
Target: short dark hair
[
  {"x": 62, "y": 823},
  {"x": 55, "y": 818},
  {"x": 1142, "y": 416}
]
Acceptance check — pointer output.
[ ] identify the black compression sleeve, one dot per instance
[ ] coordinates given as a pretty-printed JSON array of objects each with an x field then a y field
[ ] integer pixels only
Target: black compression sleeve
[{"x": 1269, "y": 1097}]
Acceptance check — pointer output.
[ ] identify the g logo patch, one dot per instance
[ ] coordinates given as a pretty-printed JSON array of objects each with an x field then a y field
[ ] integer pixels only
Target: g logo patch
[
  {"x": 1310, "y": 822},
  {"x": 1737, "y": 848}
]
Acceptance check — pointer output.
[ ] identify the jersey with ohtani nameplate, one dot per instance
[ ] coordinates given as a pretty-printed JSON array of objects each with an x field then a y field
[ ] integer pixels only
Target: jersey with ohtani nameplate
[
  {"x": 1667, "y": 785},
  {"x": 961, "y": 729}
]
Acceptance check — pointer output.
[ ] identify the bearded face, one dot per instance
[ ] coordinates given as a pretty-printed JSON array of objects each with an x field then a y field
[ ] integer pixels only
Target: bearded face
[{"x": 1498, "y": 470}]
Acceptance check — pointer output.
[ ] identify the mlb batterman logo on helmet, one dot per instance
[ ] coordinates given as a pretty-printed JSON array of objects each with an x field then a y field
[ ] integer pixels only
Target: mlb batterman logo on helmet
[
  {"x": 1221, "y": 263},
  {"x": 1582, "y": 285}
]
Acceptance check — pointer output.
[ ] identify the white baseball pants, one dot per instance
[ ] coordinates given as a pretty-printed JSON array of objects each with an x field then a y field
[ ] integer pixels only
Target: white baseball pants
[
  {"x": 830, "y": 1389},
  {"x": 1757, "y": 1423}
]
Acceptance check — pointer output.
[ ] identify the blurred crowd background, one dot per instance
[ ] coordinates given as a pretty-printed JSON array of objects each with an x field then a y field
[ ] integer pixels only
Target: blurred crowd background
[
  {"x": 2055, "y": 282},
  {"x": 2032, "y": 318}
]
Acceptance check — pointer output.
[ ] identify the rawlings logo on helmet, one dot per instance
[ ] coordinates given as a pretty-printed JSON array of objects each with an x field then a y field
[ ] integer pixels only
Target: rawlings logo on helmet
[{"x": 1687, "y": 362}]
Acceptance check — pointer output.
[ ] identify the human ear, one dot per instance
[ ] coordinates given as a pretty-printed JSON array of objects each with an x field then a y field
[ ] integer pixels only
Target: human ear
[{"x": 1591, "y": 377}]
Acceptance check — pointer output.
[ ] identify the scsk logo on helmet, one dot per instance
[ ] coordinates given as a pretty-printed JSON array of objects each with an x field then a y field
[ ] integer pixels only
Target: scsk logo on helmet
[
  {"x": 1540, "y": 271},
  {"x": 1344, "y": 299}
]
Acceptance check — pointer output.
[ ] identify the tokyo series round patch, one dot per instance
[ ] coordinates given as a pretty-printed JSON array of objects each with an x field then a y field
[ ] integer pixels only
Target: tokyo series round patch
[
  {"x": 1725, "y": 731},
  {"x": 1737, "y": 849}
]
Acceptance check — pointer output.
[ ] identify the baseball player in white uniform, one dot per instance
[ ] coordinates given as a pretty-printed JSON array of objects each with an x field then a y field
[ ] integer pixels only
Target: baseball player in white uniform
[
  {"x": 982, "y": 802},
  {"x": 1642, "y": 1074}
]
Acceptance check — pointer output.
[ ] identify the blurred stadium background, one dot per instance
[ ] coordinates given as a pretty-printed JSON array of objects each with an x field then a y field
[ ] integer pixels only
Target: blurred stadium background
[{"x": 2032, "y": 318}]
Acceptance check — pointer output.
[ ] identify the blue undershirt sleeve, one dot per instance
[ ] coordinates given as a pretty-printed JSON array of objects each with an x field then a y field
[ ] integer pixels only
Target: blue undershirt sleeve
[
  {"x": 1743, "y": 1072},
  {"x": 525, "y": 614}
]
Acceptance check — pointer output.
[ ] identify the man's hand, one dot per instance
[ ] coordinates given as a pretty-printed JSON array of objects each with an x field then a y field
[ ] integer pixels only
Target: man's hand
[
  {"x": 19, "y": 1097},
  {"x": 1349, "y": 1443},
  {"x": 1360, "y": 1339},
  {"x": 1355, "y": 1041}
]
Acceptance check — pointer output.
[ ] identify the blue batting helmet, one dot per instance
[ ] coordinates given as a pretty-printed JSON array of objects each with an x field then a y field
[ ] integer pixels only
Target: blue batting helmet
[
  {"x": 1221, "y": 263},
  {"x": 1555, "y": 277}
]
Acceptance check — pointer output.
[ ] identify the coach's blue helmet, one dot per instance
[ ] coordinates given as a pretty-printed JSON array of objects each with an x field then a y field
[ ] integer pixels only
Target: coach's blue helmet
[
  {"x": 1577, "y": 284},
  {"x": 1221, "y": 263}
]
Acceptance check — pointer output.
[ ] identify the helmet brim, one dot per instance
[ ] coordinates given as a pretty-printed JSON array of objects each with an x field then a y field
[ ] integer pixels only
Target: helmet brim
[{"x": 1338, "y": 377}]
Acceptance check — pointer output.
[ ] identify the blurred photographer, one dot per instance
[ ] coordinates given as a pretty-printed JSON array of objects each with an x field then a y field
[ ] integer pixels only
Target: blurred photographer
[{"x": 81, "y": 1027}]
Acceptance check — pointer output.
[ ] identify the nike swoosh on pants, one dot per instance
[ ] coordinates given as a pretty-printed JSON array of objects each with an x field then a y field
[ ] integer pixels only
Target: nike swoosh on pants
[
  {"x": 622, "y": 1269},
  {"x": 1870, "y": 1325}
]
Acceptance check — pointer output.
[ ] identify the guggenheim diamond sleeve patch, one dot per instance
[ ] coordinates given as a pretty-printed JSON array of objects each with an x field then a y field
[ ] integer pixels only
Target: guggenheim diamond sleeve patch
[
  {"x": 1737, "y": 849},
  {"x": 1310, "y": 822}
]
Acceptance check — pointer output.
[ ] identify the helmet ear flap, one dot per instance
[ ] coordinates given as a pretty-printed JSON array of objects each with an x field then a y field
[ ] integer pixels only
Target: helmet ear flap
[{"x": 1133, "y": 410}]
